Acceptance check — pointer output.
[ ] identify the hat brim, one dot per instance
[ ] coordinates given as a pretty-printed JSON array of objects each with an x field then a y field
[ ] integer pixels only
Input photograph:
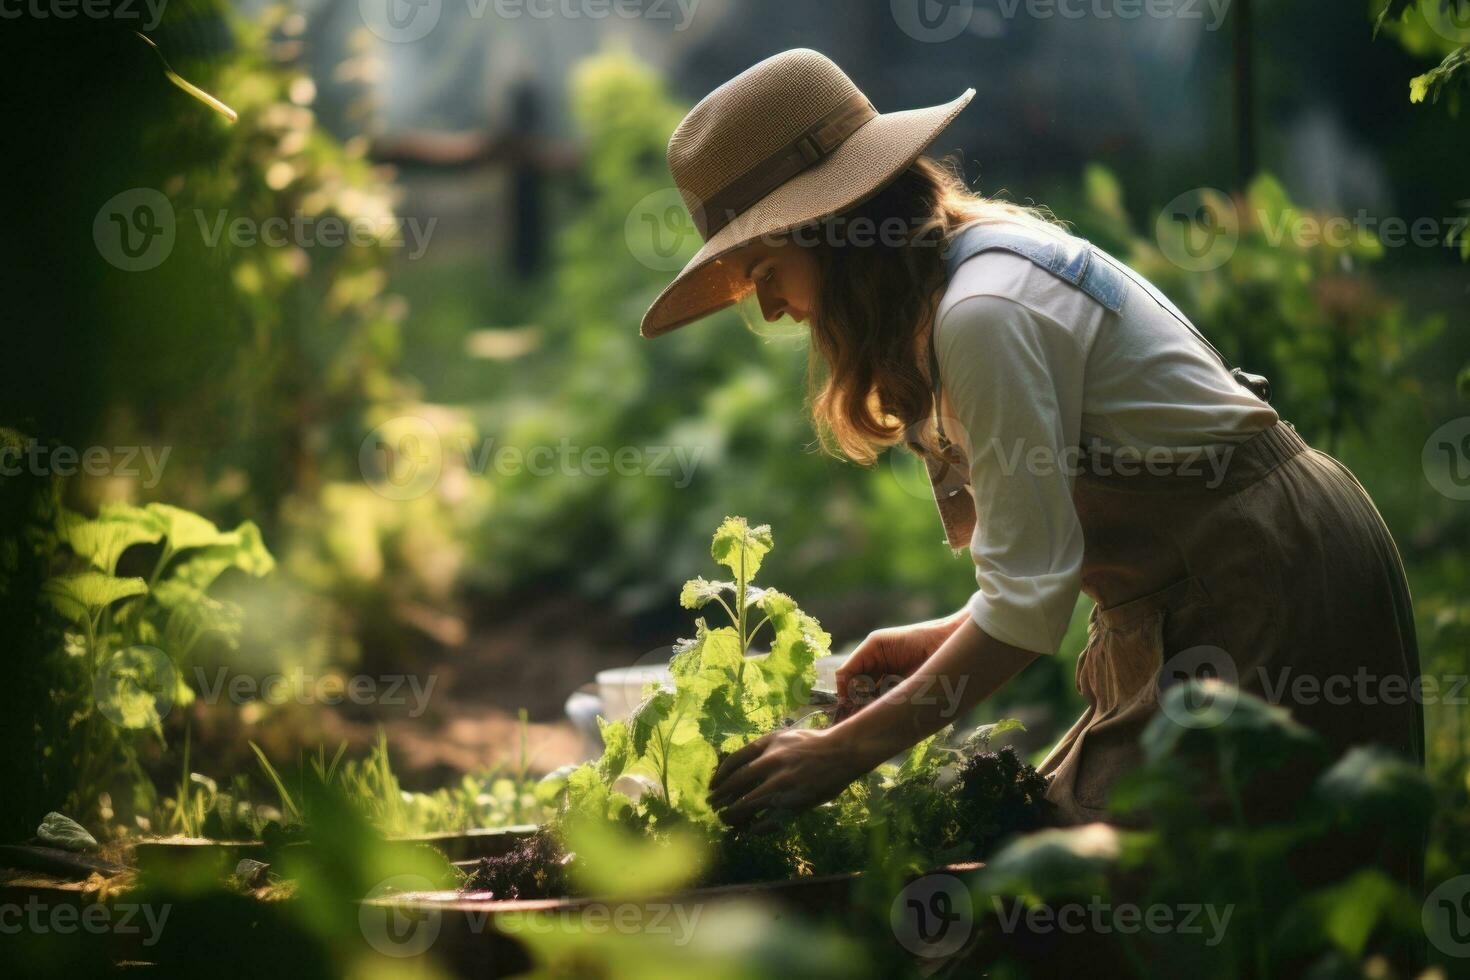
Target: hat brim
[{"x": 876, "y": 153}]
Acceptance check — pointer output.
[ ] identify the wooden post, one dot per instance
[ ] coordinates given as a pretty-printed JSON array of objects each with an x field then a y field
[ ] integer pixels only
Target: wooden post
[{"x": 1244, "y": 96}]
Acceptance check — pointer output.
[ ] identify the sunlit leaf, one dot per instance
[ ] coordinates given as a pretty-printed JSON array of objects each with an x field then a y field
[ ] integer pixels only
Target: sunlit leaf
[
  {"x": 80, "y": 597},
  {"x": 740, "y": 547}
]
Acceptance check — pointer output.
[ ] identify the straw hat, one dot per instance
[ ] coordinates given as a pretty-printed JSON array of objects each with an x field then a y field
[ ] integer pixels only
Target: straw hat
[{"x": 790, "y": 141}]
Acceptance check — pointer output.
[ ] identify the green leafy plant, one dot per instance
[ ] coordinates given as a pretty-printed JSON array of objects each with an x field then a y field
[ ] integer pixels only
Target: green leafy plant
[
  {"x": 371, "y": 788},
  {"x": 1247, "y": 818},
  {"x": 950, "y": 797},
  {"x": 127, "y": 638}
]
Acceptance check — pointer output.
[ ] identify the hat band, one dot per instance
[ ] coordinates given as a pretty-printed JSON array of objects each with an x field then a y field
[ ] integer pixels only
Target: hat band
[{"x": 815, "y": 142}]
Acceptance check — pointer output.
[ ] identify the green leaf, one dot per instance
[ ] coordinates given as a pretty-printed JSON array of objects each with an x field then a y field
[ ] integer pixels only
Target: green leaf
[
  {"x": 1058, "y": 862},
  {"x": 651, "y": 715},
  {"x": 1371, "y": 785},
  {"x": 242, "y": 548},
  {"x": 59, "y": 830},
  {"x": 1220, "y": 712},
  {"x": 587, "y": 795},
  {"x": 617, "y": 749},
  {"x": 717, "y": 648},
  {"x": 699, "y": 592},
  {"x": 1419, "y": 87},
  {"x": 925, "y": 759},
  {"x": 186, "y": 529},
  {"x": 80, "y": 597},
  {"x": 740, "y": 547},
  {"x": 1350, "y": 911},
  {"x": 787, "y": 672},
  {"x": 979, "y": 739},
  {"x": 103, "y": 541},
  {"x": 690, "y": 766},
  {"x": 724, "y": 724},
  {"x": 611, "y": 860}
]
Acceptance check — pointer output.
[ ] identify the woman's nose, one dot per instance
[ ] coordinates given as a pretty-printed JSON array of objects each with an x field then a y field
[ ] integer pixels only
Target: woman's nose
[{"x": 772, "y": 307}]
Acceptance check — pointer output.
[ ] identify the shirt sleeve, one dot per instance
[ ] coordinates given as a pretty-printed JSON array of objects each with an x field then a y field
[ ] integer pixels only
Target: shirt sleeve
[{"x": 1013, "y": 382}]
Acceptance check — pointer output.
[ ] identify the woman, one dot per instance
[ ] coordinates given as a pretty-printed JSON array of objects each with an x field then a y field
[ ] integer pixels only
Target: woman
[{"x": 1105, "y": 445}]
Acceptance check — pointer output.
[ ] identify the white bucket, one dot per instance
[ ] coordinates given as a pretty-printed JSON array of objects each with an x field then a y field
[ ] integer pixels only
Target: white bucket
[{"x": 621, "y": 688}]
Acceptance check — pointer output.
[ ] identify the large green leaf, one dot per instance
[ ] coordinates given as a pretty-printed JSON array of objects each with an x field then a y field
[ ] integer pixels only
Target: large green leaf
[
  {"x": 1350, "y": 911},
  {"x": 699, "y": 592},
  {"x": 690, "y": 766},
  {"x": 1054, "y": 863},
  {"x": 117, "y": 528},
  {"x": 241, "y": 548},
  {"x": 80, "y": 597},
  {"x": 740, "y": 547},
  {"x": 186, "y": 529},
  {"x": 649, "y": 718},
  {"x": 724, "y": 724},
  {"x": 1371, "y": 785},
  {"x": 613, "y": 861},
  {"x": 587, "y": 795},
  {"x": 710, "y": 649},
  {"x": 1220, "y": 713},
  {"x": 617, "y": 751},
  {"x": 59, "y": 830}
]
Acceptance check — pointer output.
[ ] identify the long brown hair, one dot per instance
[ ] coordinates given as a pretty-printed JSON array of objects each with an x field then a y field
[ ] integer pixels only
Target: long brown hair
[{"x": 881, "y": 271}]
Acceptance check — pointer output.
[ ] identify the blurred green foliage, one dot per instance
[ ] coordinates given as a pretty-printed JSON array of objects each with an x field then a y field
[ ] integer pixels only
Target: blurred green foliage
[
  {"x": 1431, "y": 29},
  {"x": 1263, "y": 868}
]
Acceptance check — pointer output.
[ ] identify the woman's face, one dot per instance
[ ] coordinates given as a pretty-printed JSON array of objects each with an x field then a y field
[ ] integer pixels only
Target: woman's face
[{"x": 784, "y": 275}]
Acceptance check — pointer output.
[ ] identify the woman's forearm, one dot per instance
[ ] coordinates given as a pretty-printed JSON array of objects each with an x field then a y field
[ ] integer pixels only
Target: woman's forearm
[{"x": 966, "y": 669}]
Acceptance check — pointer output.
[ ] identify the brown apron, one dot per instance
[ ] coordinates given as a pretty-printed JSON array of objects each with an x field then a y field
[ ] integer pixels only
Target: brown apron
[{"x": 1280, "y": 571}]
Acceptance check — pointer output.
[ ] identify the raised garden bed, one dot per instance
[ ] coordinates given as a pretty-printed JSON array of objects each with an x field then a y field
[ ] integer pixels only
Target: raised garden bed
[
  {"x": 479, "y": 935},
  {"x": 164, "y": 855}
]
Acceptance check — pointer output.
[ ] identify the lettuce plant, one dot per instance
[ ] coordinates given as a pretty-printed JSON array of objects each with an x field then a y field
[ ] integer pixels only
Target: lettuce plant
[
  {"x": 721, "y": 699},
  {"x": 948, "y": 799}
]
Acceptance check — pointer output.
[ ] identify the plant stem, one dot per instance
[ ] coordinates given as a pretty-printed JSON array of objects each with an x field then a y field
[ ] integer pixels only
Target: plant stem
[
  {"x": 1232, "y": 792},
  {"x": 756, "y": 631},
  {"x": 740, "y": 586},
  {"x": 734, "y": 620}
]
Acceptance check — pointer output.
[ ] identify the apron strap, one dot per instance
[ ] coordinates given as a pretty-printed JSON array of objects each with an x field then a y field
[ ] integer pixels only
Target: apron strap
[{"x": 1073, "y": 260}]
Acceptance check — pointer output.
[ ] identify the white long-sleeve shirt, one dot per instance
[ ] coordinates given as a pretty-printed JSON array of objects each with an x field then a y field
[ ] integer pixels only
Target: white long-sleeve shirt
[{"x": 1032, "y": 367}]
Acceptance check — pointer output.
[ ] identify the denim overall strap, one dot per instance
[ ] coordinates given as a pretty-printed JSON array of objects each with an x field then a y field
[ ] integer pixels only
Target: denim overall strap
[
  {"x": 1079, "y": 262},
  {"x": 1073, "y": 260},
  {"x": 1068, "y": 258}
]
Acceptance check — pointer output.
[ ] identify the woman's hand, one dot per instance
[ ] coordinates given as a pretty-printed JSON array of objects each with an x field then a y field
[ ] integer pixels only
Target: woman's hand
[
  {"x": 781, "y": 773},
  {"x": 897, "y": 651},
  {"x": 796, "y": 768}
]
